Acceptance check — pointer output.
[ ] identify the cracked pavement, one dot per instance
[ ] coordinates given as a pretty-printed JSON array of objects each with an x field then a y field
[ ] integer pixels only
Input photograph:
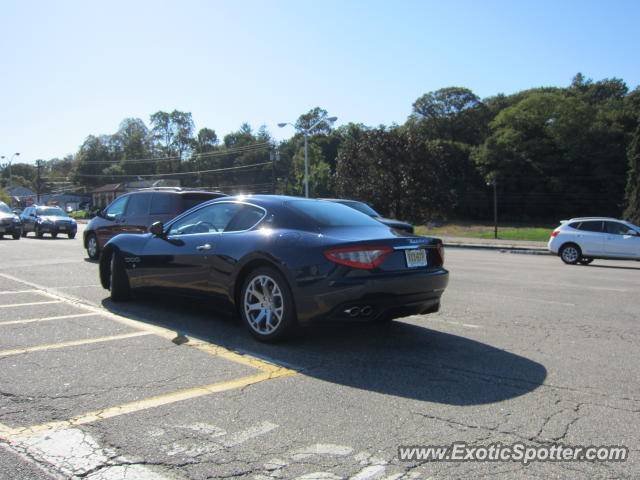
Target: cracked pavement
[{"x": 525, "y": 349}]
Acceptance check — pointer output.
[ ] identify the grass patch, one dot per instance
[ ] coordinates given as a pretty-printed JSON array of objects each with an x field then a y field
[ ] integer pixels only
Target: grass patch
[{"x": 505, "y": 232}]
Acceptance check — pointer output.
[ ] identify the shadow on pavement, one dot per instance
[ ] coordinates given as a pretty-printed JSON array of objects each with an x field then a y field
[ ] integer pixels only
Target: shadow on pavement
[
  {"x": 615, "y": 267},
  {"x": 397, "y": 358}
]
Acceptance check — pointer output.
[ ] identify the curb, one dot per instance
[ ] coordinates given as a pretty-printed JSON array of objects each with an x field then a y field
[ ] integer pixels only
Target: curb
[{"x": 501, "y": 248}]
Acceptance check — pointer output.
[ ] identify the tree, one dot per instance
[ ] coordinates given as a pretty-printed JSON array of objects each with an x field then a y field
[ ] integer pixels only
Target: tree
[
  {"x": 632, "y": 195},
  {"x": 396, "y": 171},
  {"x": 92, "y": 158},
  {"x": 453, "y": 113},
  {"x": 173, "y": 133},
  {"x": 313, "y": 116},
  {"x": 132, "y": 143}
]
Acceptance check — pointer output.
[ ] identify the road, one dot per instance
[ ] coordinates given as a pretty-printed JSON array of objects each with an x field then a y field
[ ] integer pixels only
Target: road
[{"x": 525, "y": 349}]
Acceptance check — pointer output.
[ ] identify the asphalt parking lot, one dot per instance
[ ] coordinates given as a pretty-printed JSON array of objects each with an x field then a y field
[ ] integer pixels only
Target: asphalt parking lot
[{"x": 525, "y": 349}]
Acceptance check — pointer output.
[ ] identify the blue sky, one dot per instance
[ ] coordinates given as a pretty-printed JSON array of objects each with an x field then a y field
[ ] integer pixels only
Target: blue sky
[{"x": 75, "y": 68}]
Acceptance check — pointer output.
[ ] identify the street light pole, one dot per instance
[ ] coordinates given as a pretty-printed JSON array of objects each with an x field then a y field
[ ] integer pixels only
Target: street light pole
[
  {"x": 306, "y": 165},
  {"x": 10, "y": 177},
  {"x": 305, "y": 133}
]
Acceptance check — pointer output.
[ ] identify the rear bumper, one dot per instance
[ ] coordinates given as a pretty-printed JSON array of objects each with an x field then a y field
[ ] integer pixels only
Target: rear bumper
[{"x": 366, "y": 300}]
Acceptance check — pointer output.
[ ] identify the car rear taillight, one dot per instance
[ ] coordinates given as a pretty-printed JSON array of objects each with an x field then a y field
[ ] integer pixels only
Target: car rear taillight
[
  {"x": 440, "y": 250},
  {"x": 359, "y": 257},
  {"x": 555, "y": 233}
]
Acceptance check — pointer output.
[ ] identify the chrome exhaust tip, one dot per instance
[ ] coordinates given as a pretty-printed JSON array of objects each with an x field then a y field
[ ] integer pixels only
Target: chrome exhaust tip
[{"x": 352, "y": 311}]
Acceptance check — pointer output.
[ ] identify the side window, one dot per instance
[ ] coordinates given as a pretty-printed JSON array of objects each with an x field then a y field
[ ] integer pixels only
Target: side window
[
  {"x": 245, "y": 218},
  {"x": 209, "y": 219},
  {"x": 592, "y": 226},
  {"x": 617, "y": 228},
  {"x": 161, "y": 204},
  {"x": 138, "y": 205},
  {"x": 116, "y": 208}
]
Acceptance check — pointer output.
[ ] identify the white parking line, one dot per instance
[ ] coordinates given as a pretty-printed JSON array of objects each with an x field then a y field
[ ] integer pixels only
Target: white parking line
[
  {"x": 71, "y": 343},
  {"x": 76, "y": 453},
  {"x": 11, "y": 292},
  {"x": 45, "y": 319},
  {"x": 29, "y": 304}
]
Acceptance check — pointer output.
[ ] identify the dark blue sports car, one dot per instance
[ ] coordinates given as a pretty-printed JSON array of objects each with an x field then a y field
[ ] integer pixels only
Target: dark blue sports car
[{"x": 281, "y": 262}]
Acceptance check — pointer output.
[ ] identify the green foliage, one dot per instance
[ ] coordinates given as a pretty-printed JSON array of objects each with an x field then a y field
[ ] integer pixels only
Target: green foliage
[
  {"x": 4, "y": 197},
  {"x": 558, "y": 153},
  {"x": 398, "y": 173},
  {"x": 632, "y": 196}
]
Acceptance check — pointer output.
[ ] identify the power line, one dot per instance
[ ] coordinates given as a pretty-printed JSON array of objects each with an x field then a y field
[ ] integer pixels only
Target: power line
[{"x": 196, "y": 172}]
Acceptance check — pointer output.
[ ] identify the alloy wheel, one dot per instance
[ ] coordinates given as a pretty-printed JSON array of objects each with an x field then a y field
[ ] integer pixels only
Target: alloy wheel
[{"x": 263, "y": 305}]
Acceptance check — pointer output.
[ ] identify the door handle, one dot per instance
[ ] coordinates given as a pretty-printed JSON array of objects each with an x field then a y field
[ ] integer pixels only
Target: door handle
[{"x": 206, "y": 246}]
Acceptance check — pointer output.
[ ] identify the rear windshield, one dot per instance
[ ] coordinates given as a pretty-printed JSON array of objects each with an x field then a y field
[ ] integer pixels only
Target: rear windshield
[
  {"x": 364, "y": 208},
  {"x": 330, "y": 214}
]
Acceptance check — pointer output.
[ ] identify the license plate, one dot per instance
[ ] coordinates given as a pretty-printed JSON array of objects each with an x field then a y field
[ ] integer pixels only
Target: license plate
[
  {"x": 62, "y": 227},
  {"x": 416, "y": 258}
]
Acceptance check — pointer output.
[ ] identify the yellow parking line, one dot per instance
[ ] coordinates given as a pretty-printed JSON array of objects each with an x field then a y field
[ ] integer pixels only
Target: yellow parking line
[
  {"x": 267, "y": 370},
  {"x": 29, "y": 304},
  {"x": 71, "y": 343},
  {"x": 190, "y": 393},
  {"x": 45, "y": 319}
]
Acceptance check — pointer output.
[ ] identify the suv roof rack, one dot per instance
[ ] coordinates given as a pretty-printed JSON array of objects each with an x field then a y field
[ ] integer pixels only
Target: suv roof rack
[{"x": 171, "y": 189}]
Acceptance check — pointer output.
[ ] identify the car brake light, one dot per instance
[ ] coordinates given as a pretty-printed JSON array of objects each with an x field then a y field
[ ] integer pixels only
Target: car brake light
[
  {"x": 359, "y": 257},
  {"x": 555, "y": 233},
  {"x": 440, "y": 250}
]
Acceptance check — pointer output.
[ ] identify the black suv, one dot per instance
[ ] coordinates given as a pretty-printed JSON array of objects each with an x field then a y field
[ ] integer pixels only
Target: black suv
[
  {"x": 9, "y": 222},
  {"x": 135, "y": 212}
]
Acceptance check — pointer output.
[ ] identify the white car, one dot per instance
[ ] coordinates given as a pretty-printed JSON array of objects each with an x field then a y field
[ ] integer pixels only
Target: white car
[{"x": 580, "y": 240}]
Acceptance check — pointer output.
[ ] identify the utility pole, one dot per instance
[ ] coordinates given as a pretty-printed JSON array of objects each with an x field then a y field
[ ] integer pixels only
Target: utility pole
[
  {"x": 38, "y": 166},
  {"x": 495, "y": 209}
]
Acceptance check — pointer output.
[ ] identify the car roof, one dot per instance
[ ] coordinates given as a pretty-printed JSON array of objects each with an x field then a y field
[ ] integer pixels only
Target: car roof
[
  {"x": 178, "y": 191},
  {"x": 593, "y": 218}
]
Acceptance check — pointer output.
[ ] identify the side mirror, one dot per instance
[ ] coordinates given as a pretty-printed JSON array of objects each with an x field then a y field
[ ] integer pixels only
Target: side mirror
[{"x": 157, "y": 229}]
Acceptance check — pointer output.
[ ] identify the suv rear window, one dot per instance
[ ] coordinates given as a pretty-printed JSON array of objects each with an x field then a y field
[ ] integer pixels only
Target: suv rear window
[
  {"x": 138, "y": 205},
  {"x": 191, "y": 200},
  {"x": 161, "y": 204},
  {"x": 589, "y": 226}
]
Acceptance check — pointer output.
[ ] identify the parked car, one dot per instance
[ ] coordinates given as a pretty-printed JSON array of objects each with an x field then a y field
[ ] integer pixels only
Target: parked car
[
  {"x": 580, "y": 240},
  {"x": 9, "y": 222},
  {"x": 280, "y": 262},
  {"x": 135, "y": 212},
  {"x": 42, "y": 219},
  {"x": 364, "y": 208}
]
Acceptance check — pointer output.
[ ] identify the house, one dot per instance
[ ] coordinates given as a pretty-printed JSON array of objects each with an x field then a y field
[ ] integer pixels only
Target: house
[
  {"x": 104, "y": 195},
  {"x": 101, "y": 197}
]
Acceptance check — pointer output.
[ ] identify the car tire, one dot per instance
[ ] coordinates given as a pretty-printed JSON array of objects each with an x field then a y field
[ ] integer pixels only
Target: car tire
[
  {"x": 119, "y": 281},
  {"x": 54, "y": 235},
  {"x": 72, "y": 236},
  {"x": 1, "y": 236},
  {"x": 93, "y": 251},
  {"x": 570, "y": 253},
  {"x": 585, "y": 261},
  {"x": 266, "y": 306},
  {"x": 39, "y": 233},
  {"x": 16, "y": 236},
  {"x": 24, "y": 232}
]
